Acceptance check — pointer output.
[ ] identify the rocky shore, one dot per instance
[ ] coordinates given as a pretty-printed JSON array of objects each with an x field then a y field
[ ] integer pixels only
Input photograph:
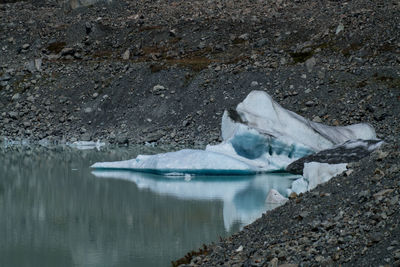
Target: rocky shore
[
  {"x": 131, "y": 72},
  {"x": 353, "y": 220}
]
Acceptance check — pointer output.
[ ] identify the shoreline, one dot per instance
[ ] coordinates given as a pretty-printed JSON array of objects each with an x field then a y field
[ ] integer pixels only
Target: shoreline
[
  {"x": 134, "y": 72},
  {"x": 352, "y": 220}
]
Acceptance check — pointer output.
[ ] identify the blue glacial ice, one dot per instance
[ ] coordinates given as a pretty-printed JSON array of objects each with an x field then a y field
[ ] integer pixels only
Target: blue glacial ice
[{"x": 258, "y": 136}]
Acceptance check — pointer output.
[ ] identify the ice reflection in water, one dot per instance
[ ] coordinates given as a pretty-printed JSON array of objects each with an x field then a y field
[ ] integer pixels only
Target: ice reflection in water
[
  {"x": 54, "y": 212},
  {"x": 243, "y": 196}
]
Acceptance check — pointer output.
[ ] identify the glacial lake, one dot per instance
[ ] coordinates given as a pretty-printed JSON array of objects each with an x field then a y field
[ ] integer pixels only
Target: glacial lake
[{"x": 56, "y": 211}]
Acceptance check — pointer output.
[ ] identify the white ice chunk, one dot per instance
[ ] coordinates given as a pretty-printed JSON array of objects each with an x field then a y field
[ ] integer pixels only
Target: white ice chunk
[
  {"x": 83, "y": 145},
  {"x": 317, "y": 173},
  {"x": 261, "y": 112},
  {"x": 263, "y": 152},
  {"x": 183, "y": 161},
  {"x": 260, "y": 136},
  {"x": 246, "y": 152},
  {"x": 300, "y": 186},
  {"x": 275, "y": 197}
]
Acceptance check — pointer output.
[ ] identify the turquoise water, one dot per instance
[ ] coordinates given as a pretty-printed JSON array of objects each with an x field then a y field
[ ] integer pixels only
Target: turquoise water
[{"x": 56, "y": 211}]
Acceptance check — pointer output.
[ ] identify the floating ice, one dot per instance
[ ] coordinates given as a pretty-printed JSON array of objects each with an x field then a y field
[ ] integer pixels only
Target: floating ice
[
  {"x": 274, "y": 197},
  {"x": 259, "y": 136},
  {"x": 186, "y": 161},
  {"x": 83, "y": 145}
]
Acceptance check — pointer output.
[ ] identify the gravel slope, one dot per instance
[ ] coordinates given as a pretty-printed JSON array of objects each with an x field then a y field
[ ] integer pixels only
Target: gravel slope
[{"x": 164, "y": 71}]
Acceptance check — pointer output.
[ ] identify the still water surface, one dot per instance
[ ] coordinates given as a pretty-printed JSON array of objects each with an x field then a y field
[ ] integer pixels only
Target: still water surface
[{"x": 55, "y": 211}]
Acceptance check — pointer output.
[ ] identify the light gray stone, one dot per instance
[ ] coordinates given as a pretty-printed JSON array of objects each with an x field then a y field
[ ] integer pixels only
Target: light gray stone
[
  {"x": 126, "y": 54},
  {"x": 310, "y": 64}
]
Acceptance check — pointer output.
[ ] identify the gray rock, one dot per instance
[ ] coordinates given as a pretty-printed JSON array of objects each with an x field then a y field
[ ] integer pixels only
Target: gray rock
[
  {"x": 244, "y": 37},
  {"x": 376, "y": 237},
  {"x": 5, "y": 77},
  {"x": 201, "y": 45},
  {"x": 38, "y": 64},
  {"x": 303, "y": 214},
  {"x": 185, "y": 123},
  {"x": 339, "y": 28},
  {"x": 122, "y": 140},
  {"x": 261, "y": 43},
  {"x": 310, "y": 64},
  {"x": 254, "y": 84},
  {"x": 67, "y": 51},
  {"x": 88, "y": 27},
  {"x": 317, "y": 119},
  {"x": 31, "y": 98},
  {"x": 126, "y": 54},
  {"x": 30, "y": 66},
  {"x": 16, "y": 97},
  {"x": 310, "y": 103},
  {"x": 172, "y": 33},
  {"x": 85, "y": 137},
  {"x": 157, "y": 88},
  {"x": 13, "y": 115}
]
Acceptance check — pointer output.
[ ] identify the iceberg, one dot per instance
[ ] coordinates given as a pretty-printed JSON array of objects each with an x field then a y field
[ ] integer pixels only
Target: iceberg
[
  {"x": 186, "y": 161},
  {"x": 274, "y": 197},
  {"x": 258, "y": 136}
]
